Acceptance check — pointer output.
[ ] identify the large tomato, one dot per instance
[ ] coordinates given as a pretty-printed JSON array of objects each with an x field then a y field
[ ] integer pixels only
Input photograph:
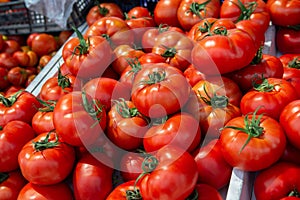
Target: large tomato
[
  {"x": 78, "y": 119},
  {"x": 159, "y": 90},
  {"x": 60, "y": 191},
  {"x": 13, "y": 136},
  {"x": 212, "y": 167},
  {"x": 279, "y": 181},
  {"x": 40, "y": 159},
  {"x": 284, "y": 12},
  {"x": 271, "y": 95},
  {"x": 252, "y": 142},
  {"x": 180, "y": 129},
  {"x": 44, "y": 44},
  {"x": 289, "y": 119},
  {"x": 288, "y": 40},
  {"x": 124, "y": 191},
  {"x": 10, "y": 46},
  {"x": 165, "y": 12},
  {"x": 190, "y": 11},
  {"x": 10, "y": 184},
  {"x": 175, "y": 167},
  {"x": 87, "y": 58},
  {"x": 20, "y": 105},
  {"x": 7, "y": 61},
  {"x": 17, "y": 76},
  {"x": 103, "y": 10},
  {"x": 91, "y": 179}
]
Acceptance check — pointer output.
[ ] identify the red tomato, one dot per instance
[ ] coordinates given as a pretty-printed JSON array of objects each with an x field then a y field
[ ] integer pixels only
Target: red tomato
[
  {"x": 131, "y": 165},
  {"x": 17, "y": 76},
  {"x": 87, "y": 58},
  {"x": 7, "y": 61},
  {"x": 284, "y": 12},
  {"x": 190, "y": 11},
  {"x": 60, "y": 191},
  {"x": 176, "y": 168},
  {"x": 126, "y": 126},
  {"x": 13, "y": 136},
  {"x": 291, "y": 154},
  {"x": 124, "y": 191},
  {"x": 289, "y": 119},
  {"x": 44, "y": 44},
  {"x": 22, "y": 58},
  {"x": 20, "y": 105},
  {"x": 288, "y": 40},
  {"x": 84, "y": 118},
  {"x": 252, "y": 142},
  {"x": 159, "y": 90},
  {"x": 4, "y": 83},
  {"x": 165, "y": 12},
  {"x": 30, "y": 38},
  {"x": 10, "y": 46},
  {"x": 89, "y": 168},
  {"x": 270, "y": 97},
  {"x": 63, "y": 37},
  {"x": 212, "y": 167},
  {"x": 10, "y": 184},
  {"x": 193, "y": 75},
  {"x": 207, "y": 192},
  {"x": 279, "y": 181},
  {"x": 103, "y": 10},
  {"x": 181, "y": 130},
  {"x": 41, "y": 159}
]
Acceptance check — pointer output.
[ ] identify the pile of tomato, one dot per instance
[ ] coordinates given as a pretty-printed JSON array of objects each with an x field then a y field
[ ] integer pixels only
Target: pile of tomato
[{"x": 159, "y": 105}]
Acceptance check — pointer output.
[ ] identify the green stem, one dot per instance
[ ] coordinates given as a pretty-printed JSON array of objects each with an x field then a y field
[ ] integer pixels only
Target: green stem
[
  {"x": 265, "y": 86},
  {"x": 134, "y": 194},
  {"x": 196, "y": 8},
  {"x": 295, "y": 63},
  {"x": 102, "y": 10},
  {"x": 216, "y": 101},
  {"x": 3, "y": 177},
  {"x": 92, "y": 108},
  {"x": 46, "y": 144},
  {"x": 149, "y": 165},
  {"x": 48, "y": 106},
  {"x": 124, "y": 110},
  {"x": 193, "y": 196},
  {"x": 8, "y": 102},
  {"x": 170, "y": 52},
  {"x": 63, "y": 81},
  {"x": 295, "y": 27},
  {"x": 83, "y": 46},
  {"x": 246, "y": 10},
  {"x": 163, "y": 28},
  {"x": 155, "y": 77},
  {"x": 258, "y": 57},
  {"x": 294, "y": 193}
]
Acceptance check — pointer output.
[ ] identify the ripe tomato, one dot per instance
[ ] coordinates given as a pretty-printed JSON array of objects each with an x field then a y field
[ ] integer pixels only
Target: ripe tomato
[
  {"x": 44, "y": 44},
  {"x": 190, "y": 11},
  {"x": 193, "y": 75},
  {"x": 17, "y": 76},
  {"x": 10, "y": 184},
  {"x": 180, "y": 129},
  {"x": 40, "y": 159},
  {"x": 84, "y": 118},
  {"x": 20, "y": 105},
  {"x": 10, "y": 46},
  {"x": 4, "y": 83},
  {"x": 279, "y": 181},
  {"x": 175, "y": 167},
  {"x": 89, "y": 168},
  {"x": 291, "y": 154},
  {"x": 270, "y": 96},
  {"x": 212, "y": 167},
  {"x": 103, "y": 10},
  {"x": 126, "y": 126},
  {"x": 124, "y": 191},
  {"x": 165, "y": 12},
  {"x": 289, "y": 119},
  {"x": 159, "y": 90},
  {"x": 252, "y": 142},
  {"x": 30, "y": 38},
  {"x": 131, "y": 165},
  {"x": 207, "y": 192},
  {"x": 288, "y": 40},
  {"x": 7, "y": 61},
  {"x": 13, "y": 136},
  {"x": 63, "y": 36},
  {"x": 60, "y": 191},
  {"x": 22, "y": 58}
]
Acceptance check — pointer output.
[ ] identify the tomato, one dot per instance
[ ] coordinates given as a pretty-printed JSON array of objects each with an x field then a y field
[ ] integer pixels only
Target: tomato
[
  {"x": 17, "y": 76},
  {"x": 291, "y": 69},
  {"x": 105, "y": 90},
  {"x": 60, "y": 191},
  {"x": 14, "y": 135},
  {"x": 22, "y": 58},
  {"x": 55, "y": 87},
  {"x": 10, "y": 46},
  {"x": 103, "y": 10},
  {"x": 115, "y": 30},
  {"x": 42, "y": 121},
  {"x": 63, "y": 36},
  {"x": 151, "y": 58},
  {"x": 165, "y": 12},
  {"x": 193, "y": 75},
  {"x": 159, "y": 90},
  {"x": 223, "y": 51},
  {"x": 290, "y": 154},
  {"x": 89, "y": 168},
  {"x": 7, "y": 61},
  {"x": 87, "y": 58},
  {"x": 131, "y": 165},
  {"x": 84, "y": 118},
  {"x": 4, "y": 83},
  {"x": 271, "y": 95},
  {"x": 279, "y": 181},
  {"x": 30, "y": 79},
  {"x": 212, "y": 167},
  {"x": 207, "y": 192},
  {"x": 190, "y": 12},
  {"x": 175, "y": 167},
  {"x": 124, "y": 191},
  {"x": 20, "y": 105},
  {"x": 40, "y": 159},
  {"x": 263, "y": 65},
  {"x": 43, "y": 61},
  {"x": 289, "y": 119},
  {"x": 44, "y": 44},
  {"x": 126, "y": 126},
  {"x": 180, "y": 129},
  {"x": 30, "y": 38},
  {"x": 175, "y": 47},
  {"x": 252, "y": 142},
  {"x": 288, "y": 40},
  {"x": 254, "y": 11},
  {"x": 13, "y": 89},
  {"x": 10, "y": 184},
  {"x": 283, "y": 12}
]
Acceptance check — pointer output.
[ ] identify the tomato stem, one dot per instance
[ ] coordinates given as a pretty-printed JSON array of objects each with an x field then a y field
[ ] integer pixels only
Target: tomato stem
[
  {"x": 63, "y": 80},
  {"x": 196, "y": 8},
  {"x": 102, "y": 10},
  {"x": 46, "y": 144},
  {"x": 246, "y": 10},
  {"x": 265, "y": 86},
  {"x": 155, "y": 77},
  {"x": 124, "y": 110},
  {"x": 163, "y": 28},
  {"x": 8, "y": 102},
  {"x": 83, "y": 46},
  {"x": 48, "y": 106},
  {"x": 216, "y": 101},
  {"x": 258, "y": 57},
  {"x": 170, "y": 52},
  {"x": 295, "y": 63},
  {"x": 92, "y": 108},
  {"x": 294, "y": 193},
  {"x": 135, "y": 65},
  {"x": 193, "y": 196},
  {"x": 3, "y": 177},
  {"x": 134, "y": 194},
  {"x": 295, "y": 27}
]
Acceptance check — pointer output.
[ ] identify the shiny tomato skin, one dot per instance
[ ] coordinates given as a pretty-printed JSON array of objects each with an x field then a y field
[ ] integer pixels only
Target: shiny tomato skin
[
  {"x": 290, "y": 154},
  {"x": 207, "y": 192},
  {"x": 288, "y": 40},
  {"x": 10, "y": 46},
  {"x": 7, "y": 61},
  {"x": 131, "y": 164},
  {"x": 44, "y": 44},
  {"x": 165, "y": 12},
  {"x": 119, "y": 192},
  {"x": 17, "y": 76},
  {"x": 193, "y": 75},
  {"x": 10, "y": 187},
  {"x": 42, "y": 121},
  {"x": 4, "y": 83}
]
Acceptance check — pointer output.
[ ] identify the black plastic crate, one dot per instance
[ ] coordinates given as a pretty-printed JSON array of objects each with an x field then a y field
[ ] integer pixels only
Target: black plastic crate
[{"x": 16, "y": 19}]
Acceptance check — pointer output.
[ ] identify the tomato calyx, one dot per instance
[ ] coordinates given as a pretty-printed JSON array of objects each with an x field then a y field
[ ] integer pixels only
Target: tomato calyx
[
  {"x": 258, "y": 57},
  {"x": 124, "y": 110},
  {"x": 83, "y": 46},
  {"x": 46, "y": 144},
  {"x": 135, "y": 65},
  {"x": 106, "y": 36},
  {"x": 92, "y": 108},
  {"x": 264, "y": 86},
  {"x": 216, "y": 101},
  {"x": 295, "y": 63},
  {"x": 196, "y": 8},
  {"x": 193, "y": 196},
  {"x": 170, "y": 52},
  {"x": 48, "y": 106},
  {"x": 102, "y": 10},
  {"x": 8, "y": 102},
  {"x": 295, "y": 27},
  {"x": 294, "y": 193},
  {"x": 156, "y": 77},
  {"x": 134, "y": 194},
  {"x": 206, "y": 27},
  {"x": 3, "y": 177},
  {"x": 163, "y": 28},
  {"x": 63, "y": 80},
  {"x": 252, "y": 128},
  {"x": 246, "y": 10}
]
